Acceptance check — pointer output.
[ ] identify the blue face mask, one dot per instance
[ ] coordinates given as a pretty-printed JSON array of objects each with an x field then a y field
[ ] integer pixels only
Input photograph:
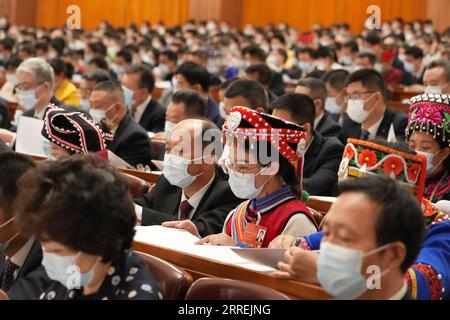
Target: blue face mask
[
  {"x": 339, "y": 270},
  {"x": 46, "y": 147},
  {"x": 65, "y": 270},
  {"x": 128, "y": 95}
]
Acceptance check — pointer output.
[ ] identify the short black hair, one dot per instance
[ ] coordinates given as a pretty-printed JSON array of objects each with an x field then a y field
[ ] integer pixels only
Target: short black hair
[
  {"x": 393, "y": 222},
  {"x": 317, "y": 88},
  {"x": 146, "y": 79},
  {"x": 352, "y": 45},
  {"x": 12, "y": 167},
  {"x": 97, "y": 76},
  {"x": 370, "y": 79},
  {"x": 194, "y": 103},
  {"x": 99, "y": 62},
  {"x": 82, "y": 203},
  {"x": 195, "y": 74},
  {"x": 369, "y": 56},
  {"x": 336, "y": 78},
  {"x": 373, "y": 38},
  {"x": 316, "y": 74},
  {"x": 250, "y": 90},
  {"x": 415, "y": 52},
  {"x": 172, "y": 56},
  {"x": 441, "y": 64},
  {"x": 126, "y": 55},
  {"x": 256, "y": 52},
  {"x": 7, "y": 43},
  {"x": 264, "y": 73},
  {"x": 59, "y": 66},
  {"x": 227, "y": 83},
  {"x": 300, "y": 106}
]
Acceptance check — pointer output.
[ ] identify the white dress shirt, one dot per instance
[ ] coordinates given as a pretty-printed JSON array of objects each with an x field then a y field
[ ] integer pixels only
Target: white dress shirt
[
  {"x": 374, "y": 129},
  {"x": 194, "y": 201},
  {"x": 19, "y": 258},
  {"x": 318, "y": 119},
  {"x": 140, "y": 109}
]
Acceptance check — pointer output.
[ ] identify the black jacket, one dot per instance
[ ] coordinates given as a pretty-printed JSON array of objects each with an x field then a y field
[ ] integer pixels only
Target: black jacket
[
  {"x": 31, "y": 263},
  {"x": 131, "y": 143},
  {"x": 321, "y": 166},
  {"x": 327, "y": 126},
  {"x": 154, "y": 117},
  {"x": 399, "y": 119},
  {"x": 162, "y": 204}
]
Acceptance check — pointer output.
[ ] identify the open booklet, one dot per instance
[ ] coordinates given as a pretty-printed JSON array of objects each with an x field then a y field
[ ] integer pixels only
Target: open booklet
[{"x": 183, "y": 241}]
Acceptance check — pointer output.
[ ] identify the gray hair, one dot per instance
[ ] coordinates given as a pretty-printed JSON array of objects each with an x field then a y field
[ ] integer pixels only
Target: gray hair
[{"x": 40, "y": 69}]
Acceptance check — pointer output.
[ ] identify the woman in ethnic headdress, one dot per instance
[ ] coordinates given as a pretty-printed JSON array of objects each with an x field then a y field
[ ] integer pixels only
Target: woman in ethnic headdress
[
  {"x": 428, "y": 133},
  {"x": 265, "y": 167}
]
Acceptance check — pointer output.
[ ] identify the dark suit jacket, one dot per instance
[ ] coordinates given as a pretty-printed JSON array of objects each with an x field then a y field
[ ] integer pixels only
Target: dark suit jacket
[
  {"x": 212, "y": 111},
  {"x": 321, "y": 166},
  {"x": 4, "y": 147},
  {"x": 31, "y": 264},
  {"x": 162, "y": 204},
  {"x": 327, "y": 127},
  {"x": 399, "y": 119},
  {"x": 131, "y": 143},
  {"x": 154, "y": 117}
]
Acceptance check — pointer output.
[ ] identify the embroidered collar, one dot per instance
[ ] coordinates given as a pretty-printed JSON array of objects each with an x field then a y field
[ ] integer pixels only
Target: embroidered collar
[{"x": 270, "y": 201}]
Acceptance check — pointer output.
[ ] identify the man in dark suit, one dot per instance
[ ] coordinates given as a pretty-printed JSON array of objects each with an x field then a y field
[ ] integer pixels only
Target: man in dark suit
[
  {"x": 317, "y": 91},
  {"x": 19, "y": 255},
  {"x": 191, "y": 191},
  {"x": 131, "y": 141},
  {"x": 145, "y": 110},
  {"x": 368, "y": 115},
  {"x": 323, "y": 154}
]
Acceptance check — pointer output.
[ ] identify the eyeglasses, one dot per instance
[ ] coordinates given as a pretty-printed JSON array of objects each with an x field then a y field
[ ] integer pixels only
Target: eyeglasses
[
  {"x": 356, "y": 95},
  {"x": 240, "y": 169},
  {"x": 26, "y": 86}
]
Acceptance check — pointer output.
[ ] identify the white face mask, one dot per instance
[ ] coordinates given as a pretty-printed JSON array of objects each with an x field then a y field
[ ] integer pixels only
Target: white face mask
[
  {"x": 176, "y": 170},
  {"x": 98, "y": 115},
  {"x": 4, "y": 245},
  {"x": 64, "y": 269},
  {"x": 17, "y": 115},
  {"x": 339, "y": 270},
  {"x": 128, "y": 96},
  {"x": 223, "y": 114},
  {"x": 85, "y": 105},
  {"x": 409, "y": 67},
  {"x": 243, "y": 184},
  {"x": 356, "y": 111},
  {"x": 431, "y": 168},
  {"x": 331, "y": 106},
  {"x": 27, "y": 99},
  {"x": 11, "y": 78},
  {"x": 168, "y": 126}
]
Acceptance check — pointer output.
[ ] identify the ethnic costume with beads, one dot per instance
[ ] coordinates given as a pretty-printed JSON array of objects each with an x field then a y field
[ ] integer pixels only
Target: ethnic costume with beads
[
  {"x": 268, "y": 217},
  {"x": 429, "y": 275},
  {"x": 430, "y": 113}
]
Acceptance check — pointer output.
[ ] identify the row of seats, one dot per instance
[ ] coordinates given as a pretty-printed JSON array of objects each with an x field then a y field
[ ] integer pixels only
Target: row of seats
[{"x": 176, "y": 284}]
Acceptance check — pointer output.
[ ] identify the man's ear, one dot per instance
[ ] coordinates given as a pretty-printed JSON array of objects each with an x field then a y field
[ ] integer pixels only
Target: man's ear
[
  {"x": 319, "y": 105},
  {"x": 308, "y": 127},
  {"x": 197, "y": 87},
  {"x": 395, "y": 255}
]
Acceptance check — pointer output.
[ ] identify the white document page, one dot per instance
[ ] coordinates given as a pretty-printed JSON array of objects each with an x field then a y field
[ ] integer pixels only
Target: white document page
[{"x": 29, "y": 139}]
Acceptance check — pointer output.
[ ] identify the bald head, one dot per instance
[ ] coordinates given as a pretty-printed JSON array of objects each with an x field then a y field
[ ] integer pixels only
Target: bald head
[{"x": 194, "y": 138}]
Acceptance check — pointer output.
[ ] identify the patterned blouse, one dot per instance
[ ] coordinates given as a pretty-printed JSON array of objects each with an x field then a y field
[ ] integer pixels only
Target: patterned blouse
[{"x": 127, "y": 278}]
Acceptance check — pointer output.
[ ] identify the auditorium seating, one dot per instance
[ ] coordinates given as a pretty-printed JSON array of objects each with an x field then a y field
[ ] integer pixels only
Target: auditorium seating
[{"x": 227, "y": 289}]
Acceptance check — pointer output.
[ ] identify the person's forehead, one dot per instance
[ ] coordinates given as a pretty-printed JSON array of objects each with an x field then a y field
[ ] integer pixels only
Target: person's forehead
[
  {"x": 355, "y": 86},
  {"x": 355, "y": 210},
  {"x": 24, "y": 75},
  {"x": 434, "y": 74},
  {"x": 303, "y": 90}
]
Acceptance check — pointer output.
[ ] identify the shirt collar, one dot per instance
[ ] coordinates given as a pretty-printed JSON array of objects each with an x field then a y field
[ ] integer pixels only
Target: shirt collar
[
  {"x": 374, "y": 129},
  {"x": 318, "y": 119},
  {"x": 194, "y": 201},
  {"x": 401, "y": 293},
  {"x": 141, "y": 108},
  {"x": 19, "y": 258},
  {"x": 272, "y": 200},
  {"x": 40, "y": 115}
]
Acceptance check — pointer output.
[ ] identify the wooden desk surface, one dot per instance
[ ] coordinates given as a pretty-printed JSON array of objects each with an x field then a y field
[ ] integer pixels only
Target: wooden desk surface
[{"x": 200, "y": 267}]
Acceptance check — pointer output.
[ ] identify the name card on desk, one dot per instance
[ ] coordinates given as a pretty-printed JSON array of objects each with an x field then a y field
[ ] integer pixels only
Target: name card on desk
[{"x": 266, "y": 257}]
